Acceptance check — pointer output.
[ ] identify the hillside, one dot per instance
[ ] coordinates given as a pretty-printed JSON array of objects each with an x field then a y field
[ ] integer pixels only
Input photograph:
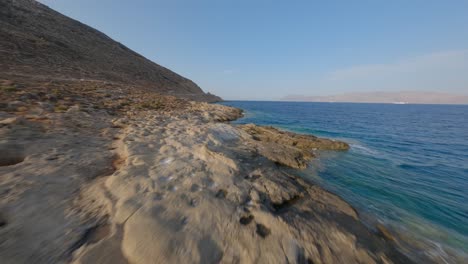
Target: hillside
[
  {"x": 40, "y": 44},
  {"x": 410, "y": 97}
]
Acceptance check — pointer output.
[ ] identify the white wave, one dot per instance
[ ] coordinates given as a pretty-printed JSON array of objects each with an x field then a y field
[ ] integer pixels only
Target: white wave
[{"x": 356, "y": 147}]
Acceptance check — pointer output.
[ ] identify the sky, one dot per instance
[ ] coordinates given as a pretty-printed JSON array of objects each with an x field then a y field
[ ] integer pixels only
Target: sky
[{"x": 266, "y": 49}]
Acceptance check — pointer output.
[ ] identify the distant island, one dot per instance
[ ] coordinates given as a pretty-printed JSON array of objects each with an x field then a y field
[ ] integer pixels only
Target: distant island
[{"x": 404, "y": 97}]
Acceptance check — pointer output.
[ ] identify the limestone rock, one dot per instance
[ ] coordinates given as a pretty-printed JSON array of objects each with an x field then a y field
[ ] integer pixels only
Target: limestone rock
[{"x": 287, "y": 148}]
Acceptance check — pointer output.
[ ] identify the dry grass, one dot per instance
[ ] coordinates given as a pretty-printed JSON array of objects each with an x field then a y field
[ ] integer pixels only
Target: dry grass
[{"x": 114, "y": 98}]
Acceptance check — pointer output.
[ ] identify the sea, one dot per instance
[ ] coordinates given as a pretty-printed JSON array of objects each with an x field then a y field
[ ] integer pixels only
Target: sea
[{"x": 407, "y": 167}]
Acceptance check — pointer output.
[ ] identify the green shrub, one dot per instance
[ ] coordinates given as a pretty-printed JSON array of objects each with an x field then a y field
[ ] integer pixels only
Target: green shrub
[
  {"x": 60, "y": 108},
  {"x": 9, "y": 88}
]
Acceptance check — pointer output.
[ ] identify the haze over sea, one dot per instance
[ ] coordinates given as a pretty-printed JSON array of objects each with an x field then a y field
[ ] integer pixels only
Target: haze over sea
[{"x": 407, "y": 166}]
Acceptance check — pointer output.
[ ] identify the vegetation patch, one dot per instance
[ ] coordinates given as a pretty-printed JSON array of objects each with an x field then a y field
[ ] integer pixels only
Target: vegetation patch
[
  {"x": 152, "y": 105},
  {"x": 60, "y": 108},
  {"x": 9, "y": 88}
]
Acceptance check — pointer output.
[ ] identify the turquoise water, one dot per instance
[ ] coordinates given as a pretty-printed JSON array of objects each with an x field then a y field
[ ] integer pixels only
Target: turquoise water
[{"x": 407, "y": 166}]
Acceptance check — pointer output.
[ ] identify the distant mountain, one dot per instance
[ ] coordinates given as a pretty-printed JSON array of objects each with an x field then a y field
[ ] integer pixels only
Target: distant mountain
[
  {"x": 36, "y": 41},
  {"x": 410, "y": 97}
]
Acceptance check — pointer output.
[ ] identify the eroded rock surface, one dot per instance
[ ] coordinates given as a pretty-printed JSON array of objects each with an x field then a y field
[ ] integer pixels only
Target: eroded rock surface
[
  {"x": 286, "y": 148},
  {"x": 164, "y": 187},
  {"x": 44, "y": 163}
]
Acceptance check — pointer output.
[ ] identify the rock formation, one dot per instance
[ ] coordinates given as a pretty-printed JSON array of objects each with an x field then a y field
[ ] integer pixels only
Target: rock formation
[{"x": 286, "y": 148}]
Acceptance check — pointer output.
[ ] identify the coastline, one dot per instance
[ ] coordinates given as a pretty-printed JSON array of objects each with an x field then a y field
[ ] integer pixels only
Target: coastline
[
  {"x": 175, "y": 184},
  {"x": 355, "y": 175},
  {"x": 108, "y": 157}
]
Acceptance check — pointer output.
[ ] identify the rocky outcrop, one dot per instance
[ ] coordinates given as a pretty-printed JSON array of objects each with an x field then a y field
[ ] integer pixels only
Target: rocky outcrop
[
  {"x": 218, "y": 113},
  {"x": 287, "y": 148}
]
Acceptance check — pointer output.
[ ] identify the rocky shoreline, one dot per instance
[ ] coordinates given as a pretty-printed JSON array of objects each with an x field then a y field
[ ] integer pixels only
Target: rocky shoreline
[
  {"x": 104, "y": 158},
  {"x": 173, "y": 184}
]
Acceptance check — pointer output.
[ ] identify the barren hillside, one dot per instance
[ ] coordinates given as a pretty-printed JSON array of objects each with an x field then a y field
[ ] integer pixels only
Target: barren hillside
[{"x": 40, "y": 44}]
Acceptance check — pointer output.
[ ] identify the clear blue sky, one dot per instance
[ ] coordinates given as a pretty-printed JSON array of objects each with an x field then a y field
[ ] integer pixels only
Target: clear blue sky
[{"x": 265, "y": 49}]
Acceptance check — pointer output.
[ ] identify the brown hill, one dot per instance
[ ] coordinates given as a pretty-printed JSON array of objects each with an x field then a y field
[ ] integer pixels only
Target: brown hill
[{"x": 39, "y": 43}]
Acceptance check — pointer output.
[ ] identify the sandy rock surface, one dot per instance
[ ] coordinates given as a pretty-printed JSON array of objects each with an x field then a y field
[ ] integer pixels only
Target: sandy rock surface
[
  {"x": 164, "y": 188},
  {"x": 44, "y": 161}
]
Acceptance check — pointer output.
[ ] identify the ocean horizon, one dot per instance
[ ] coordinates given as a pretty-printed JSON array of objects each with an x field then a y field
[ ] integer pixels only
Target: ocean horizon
[{"x": 226, "y": 102}]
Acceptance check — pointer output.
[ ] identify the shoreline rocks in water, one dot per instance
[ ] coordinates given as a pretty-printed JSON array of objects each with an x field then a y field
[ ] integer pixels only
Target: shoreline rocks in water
[{"x": 287, "y": 148}]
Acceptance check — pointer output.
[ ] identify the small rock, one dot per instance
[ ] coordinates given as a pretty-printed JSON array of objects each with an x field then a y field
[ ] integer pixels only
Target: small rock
[
  {"x": 29, "y": 96},
  {"x": 184, "y": 220},
  {"x": 22, "y": 109},
  {"x": 158, "y": 196},
  {"x": 46, "y": 106},
  {"x": 221, "y": 193},
  {"x": 263, "y": 231},
  {"x": 385, "y": 233},
  {"x": 51, "y": 98},
  {"x": 12, "y": 120},
  {"x": 54, "y": 157},
  {"x": 13, "y": 106},
  {"x": 252, "y": 177},
  {"x": 3, "y": 221},
  {"x": 208, "y": 182},
  {"x": 195, "y": 188},
  {"x": 245, "y": 220},
  {"x": 194, "y": 202},
  {"x": 35, "y": 111},
  {"x": 73, "y": 109},
  {"x": 254, "y": 196}
]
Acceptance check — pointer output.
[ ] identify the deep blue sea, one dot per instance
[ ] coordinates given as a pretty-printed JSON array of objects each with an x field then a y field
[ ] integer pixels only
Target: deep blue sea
[{"x": 407, "y": 166}]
